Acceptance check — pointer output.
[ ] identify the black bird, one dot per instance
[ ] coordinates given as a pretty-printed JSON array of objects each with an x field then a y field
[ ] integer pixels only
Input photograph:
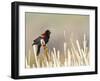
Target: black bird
[{"x": 42, "y": 40}]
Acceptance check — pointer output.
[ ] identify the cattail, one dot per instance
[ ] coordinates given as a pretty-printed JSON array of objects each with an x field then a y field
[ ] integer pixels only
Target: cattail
[
  {"x": 55, "y": 59},
  {"x": 27, "y": 61},
  {"x": 79, "y": 50},
  {"x": 69, "y": 58},
  {"x": 29, "y": 58},
  {"x": 58, "y": 58},
  {"x": 65, "y": 47},
  {"x": 36, "y": 60},
  {"x": 84, "y": 58},
  {"x": 84, "y": 44},
  {"x": 76, "y": 54},
  {"x": 73, "y": 56},
  {"x": 65, "y": 53}
]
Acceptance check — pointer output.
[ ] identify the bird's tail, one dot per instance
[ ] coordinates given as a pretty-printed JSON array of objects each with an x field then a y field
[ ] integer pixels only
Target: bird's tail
[{"x": 33, "y": 44}]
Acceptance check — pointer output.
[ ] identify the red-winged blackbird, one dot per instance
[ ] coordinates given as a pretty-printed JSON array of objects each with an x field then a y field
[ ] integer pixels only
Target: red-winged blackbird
[{"x": 42, "y": 40}]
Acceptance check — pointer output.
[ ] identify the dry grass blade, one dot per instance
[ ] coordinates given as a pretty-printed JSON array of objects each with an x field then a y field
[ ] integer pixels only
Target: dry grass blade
[{"x": 73, "y": 56}]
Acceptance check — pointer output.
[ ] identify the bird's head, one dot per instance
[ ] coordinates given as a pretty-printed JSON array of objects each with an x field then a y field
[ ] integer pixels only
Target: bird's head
[{"x": 48, "y": 32}]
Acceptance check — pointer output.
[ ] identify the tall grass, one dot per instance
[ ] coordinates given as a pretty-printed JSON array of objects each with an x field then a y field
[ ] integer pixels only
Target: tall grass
[{"x": 76, "y": 55}]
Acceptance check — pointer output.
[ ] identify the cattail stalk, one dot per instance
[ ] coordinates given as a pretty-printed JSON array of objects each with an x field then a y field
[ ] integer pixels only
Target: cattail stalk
[
  {"x": 36, "y": 60},
  {"x": 73, "y": 56}
]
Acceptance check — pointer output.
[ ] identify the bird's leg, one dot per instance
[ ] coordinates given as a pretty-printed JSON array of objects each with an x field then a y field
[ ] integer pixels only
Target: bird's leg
[{"x": 45, "y": 49}]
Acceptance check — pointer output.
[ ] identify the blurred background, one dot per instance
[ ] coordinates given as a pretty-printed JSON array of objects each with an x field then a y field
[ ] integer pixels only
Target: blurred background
[{"x": 62, "y": 27}]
